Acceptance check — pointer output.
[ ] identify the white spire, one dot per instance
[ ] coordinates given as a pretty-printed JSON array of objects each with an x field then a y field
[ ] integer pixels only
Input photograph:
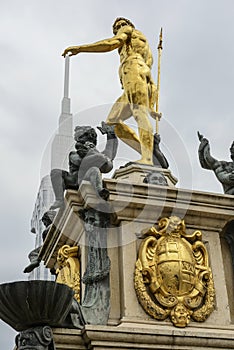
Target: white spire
[
  {"x": 66, "y": 102},
  {"x": 66, "y": 76},
  {"x": 63, "y": 139}
]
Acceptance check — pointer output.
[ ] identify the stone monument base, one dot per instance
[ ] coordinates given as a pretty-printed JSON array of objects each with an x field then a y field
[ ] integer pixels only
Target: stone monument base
[{"x": 134, "y": 207}]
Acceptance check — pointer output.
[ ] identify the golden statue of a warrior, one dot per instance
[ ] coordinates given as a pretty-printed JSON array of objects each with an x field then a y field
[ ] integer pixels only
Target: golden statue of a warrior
[{"x": 139, "y": 96}]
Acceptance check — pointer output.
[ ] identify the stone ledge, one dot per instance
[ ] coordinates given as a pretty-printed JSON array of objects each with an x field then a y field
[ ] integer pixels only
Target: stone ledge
[{"x": 142, "y": 337}]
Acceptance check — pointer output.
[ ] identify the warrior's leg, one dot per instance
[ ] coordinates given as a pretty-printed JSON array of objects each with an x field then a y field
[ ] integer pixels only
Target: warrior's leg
[
  {"x": 140, "y": 113},
  {"x": 121, "y": 111},
  {"x": 145, "y": 131}
]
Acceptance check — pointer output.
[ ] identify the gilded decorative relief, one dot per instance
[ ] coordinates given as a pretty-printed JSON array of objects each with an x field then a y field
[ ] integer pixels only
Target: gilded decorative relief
[
  {"x": 172, "y": 275},
  {"x": 68, "y": 271}
]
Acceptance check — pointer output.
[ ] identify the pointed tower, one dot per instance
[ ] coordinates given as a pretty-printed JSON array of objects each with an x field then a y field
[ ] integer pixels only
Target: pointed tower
[
  {"x": 61, "y": 145},
  {"x": 63, "y": 140}
]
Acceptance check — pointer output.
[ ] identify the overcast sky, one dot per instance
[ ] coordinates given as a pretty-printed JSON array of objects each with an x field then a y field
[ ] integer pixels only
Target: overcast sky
[{"x": 197, "y": 79}]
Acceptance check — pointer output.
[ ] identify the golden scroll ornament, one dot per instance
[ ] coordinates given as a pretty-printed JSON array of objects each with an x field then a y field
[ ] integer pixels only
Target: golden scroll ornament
[
  {"x": 68, "y": 271},
  {"x": 172, "y": 274}
]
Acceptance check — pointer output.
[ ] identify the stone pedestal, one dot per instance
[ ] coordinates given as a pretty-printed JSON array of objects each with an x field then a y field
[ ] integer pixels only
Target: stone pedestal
[
  {"x": 136, "y": 173},
  {"x": 135, "y": 207}
]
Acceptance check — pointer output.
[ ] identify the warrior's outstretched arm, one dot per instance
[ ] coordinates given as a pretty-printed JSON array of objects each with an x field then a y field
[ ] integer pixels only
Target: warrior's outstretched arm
[{"x": 105, "y": 45}]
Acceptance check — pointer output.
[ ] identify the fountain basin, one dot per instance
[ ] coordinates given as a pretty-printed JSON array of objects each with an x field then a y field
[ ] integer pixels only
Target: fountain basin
[{"x": 27, "y": 304}]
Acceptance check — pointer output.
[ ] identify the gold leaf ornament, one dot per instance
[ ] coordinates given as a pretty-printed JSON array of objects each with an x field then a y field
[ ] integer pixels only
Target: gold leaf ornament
[
  {"x": 172, "y": 274},
  {"x": 68, "y": 271}
]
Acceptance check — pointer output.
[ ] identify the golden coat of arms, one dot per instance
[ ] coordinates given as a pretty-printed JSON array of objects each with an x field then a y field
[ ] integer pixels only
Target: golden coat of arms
[{"x": 172, "y": 275}]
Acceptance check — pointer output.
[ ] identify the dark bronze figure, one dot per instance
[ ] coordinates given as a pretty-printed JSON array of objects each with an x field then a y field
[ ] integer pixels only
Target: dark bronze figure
[
  {"x": 224, "y": 171},
  {"x": 159, "y": 160},
  {"x": 33, "y": 256},
  {"x": 96, "y": 303},
  {"x": 86, "y": 163}
]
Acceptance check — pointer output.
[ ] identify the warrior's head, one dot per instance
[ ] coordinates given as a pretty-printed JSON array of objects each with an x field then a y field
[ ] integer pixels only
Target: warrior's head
[{"x": 120, "y": 22}]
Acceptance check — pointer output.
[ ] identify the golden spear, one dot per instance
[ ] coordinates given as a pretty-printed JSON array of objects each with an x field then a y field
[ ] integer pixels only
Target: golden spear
[{"x": 158, "y": 80}]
